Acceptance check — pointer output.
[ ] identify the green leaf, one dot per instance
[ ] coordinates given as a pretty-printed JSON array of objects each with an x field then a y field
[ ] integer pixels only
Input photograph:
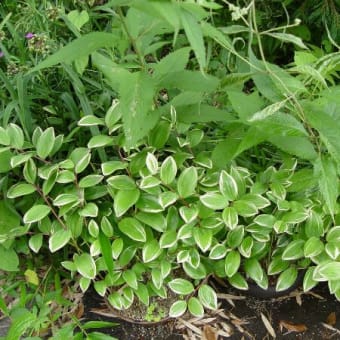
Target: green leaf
[
  {"x": 99, "y": 141},
  {"x": 78, "y": 48},
  {"x": 9, "y": 260},
  {"x": 36, "y": 213},
  {"x": 157, "y": 277},
  {"x": 159, "y": 134},
  {"x": 168, "y": 239},
  {"x": 155, "y": 221},
  {"x": 130, "y": 278},
  {"x": 238, "y": 281},
  {"x": 188, "y": 214},
  {"x": 253, "y": 269},
  {"x": 85, "y": 266},
  {"x": 59, "y": 239},
  {"x": 194, "y": 34},
  {"x": 286, "y": 279},
  {"x": 235, "y": 236},
  {"x": 168, "y": 170},
  {"x": 19, "y": 159},
  {"x": 35, "y": 242},
  {"x": 77, "y": 18},
  {"x": 308, "y": 281},
  {"x": 20, "y": 189},
  {"x": 246, "y": 246},
  {"x": 187, "y": 182},
  {"x": 181, "y": 286},
  {"x": 90, "y": 181},
  {"x": 122, "y": 182},
  {"x": 207, "y": 297},
  {"x": 90, "y": 120},
  {"x": 230, "y": 217},
  {"x": 4, "y": 137},
  {"x": 287, "y": 37},
  {"x": 133, "y": 229},
  {"x": 117, "y": 247},
  {"x": 16, "y": 136},
  {"x": 90, "y": 210},
  {"x": 45, "y": 143},
  {"x": 325, "y": 170},
  {"x": 137, "y": 93},
  {"x": 214, "y": 201},
  {"x": 151, "y": 251},
  {"x": 98, "y": 324},
  {"x": 109, "y": 167},
  {"x": 245, "y": 208},
  {"x": 124, "y": 200},
  {"x": 106, "y": 250},
  {"x": 232, "y": 263},
  {"x": 195, "y": 307},
  {"x": 329, "y": 271},
  {"x": 81, "y": 159},
  {"x": 64, "y": 199},
  {"x": 218, "y": 251},
  {"x": 277, "y": 265},
  {"x": 151, "y": 163},
  {"x": 203, "y": 238},
  {"x": 294, "y": 250},
  {"x": 177, "y": 309},
  {"x": 228, "y": 186},
  {"x": 313, "y": 247}
]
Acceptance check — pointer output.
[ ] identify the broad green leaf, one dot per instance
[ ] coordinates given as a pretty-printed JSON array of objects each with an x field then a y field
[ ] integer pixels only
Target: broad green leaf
[
  {"x": 218, "y": 251},
  {"x": 198, "y": 273},
  {"x": 235, "y": 236},
  {"x": 167, "y": 198},
  {"x": 214, "y": 200},
  {"x": 228, "y": 186},
  {"x": 151, "y": 163},
  {"x": 106, "y": 227},
  {"x": 294, "y": 250},
  {"x": 9, "y": 259},
  {"x": 230, "y": 217},
  {"x": 168, "y": 170},
  {"x": 137, "y": 92},
  {"x": 124, "y": 200},
  {"x": 133, "y": 229},
  {"x": 30, "y": 171},
  {"x": 109, "y": 167},
  {"x": 159, "y": 135},
  {"x": 277, "y": 265},
  {"x": 76, "y": 49},
  {"x": 151, "y": 251},
  {"x": 253, "y": 269},
  {"x": 35, "y": 242},
  {"x": 155, "y": 221},
  {"x": 85, "y": 265},
  {"x": 89, "y": 210},
  {"x": 157, "y": 277},
  {"x": 90, "y": 181},
  {"x": 168, "y": 239},
  {"x": 93, "y": 228},
  {"x": 64, "y": 199},
  {"x": 99, "y": 141},
  {"x": 195, "y": 307},
  {"x": 77, "y": 18},
  {"x": 36, "y": 213},
  {"x": 313, "y": 247},
  {"x": 45, "y": 143},
  {"x": 194, "y": 34},
  {"x": 81, "y": 159},
  {"x": 207, "y": 296},
  {"x": 16, "y": 136},
  {"x": 187, "y": 182},
  {"x": 245, "y": 208},
  {"x": 20, "y": 189},
  {"x": 325, "y": 170},
  {"x": 143, "y": 294},
  {"x": 117, "y": 247},
  {"x": 19, "y": 159},
  {"x": 286, "y": 279},
  {"x": 203, "y": 238},
  {"x": 329, "y": 271},
  {"x": 130, "y": 278},
  {"x": 308, "y": 281},
  {"x": 177, "y": 309},
  {"x": 232, "y": 263},
  {"x": 181, "y": 286},
  {"x": 188, "y": 214},
  {"x": 59, "y": 239},
  {"x": 332, "y": 250},
  {"x": 106, "y": 250},
  {"x": 4, "y": 138},
  {"x": 90, "y": 120},
  {"x": 246, "y": 246},
  {"x": 122, "y": 182},
  {"x": 238, "y": 281}
]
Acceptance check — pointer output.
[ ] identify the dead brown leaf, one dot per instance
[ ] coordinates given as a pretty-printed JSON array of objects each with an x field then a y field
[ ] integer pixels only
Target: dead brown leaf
[
  {"x": 79, "y": 312},
  {"x": 209, "y": 333},
  {"x": 268, "y": 325},
  {"x": 291, "y": 327},
  {"x": 331, "y": 319}
]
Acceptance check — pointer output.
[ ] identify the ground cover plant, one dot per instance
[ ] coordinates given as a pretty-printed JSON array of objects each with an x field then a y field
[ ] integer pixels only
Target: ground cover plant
[{"x": 147, "y": 146}]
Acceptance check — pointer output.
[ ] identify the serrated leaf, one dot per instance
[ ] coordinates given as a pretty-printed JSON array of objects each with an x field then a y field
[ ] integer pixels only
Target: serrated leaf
[
  {"x": 187, "y": 182},
  {"x": 59, "y": 239},
  {"x": 36, "y": 213},
  {"x": 133, "y": 229},
  {"x": 181, "y": 286},
  {"x": 124, "y": 200}
]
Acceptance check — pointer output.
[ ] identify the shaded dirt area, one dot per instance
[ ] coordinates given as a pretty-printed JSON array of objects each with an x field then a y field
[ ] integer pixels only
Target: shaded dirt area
[{"x": 313, "y": 315}]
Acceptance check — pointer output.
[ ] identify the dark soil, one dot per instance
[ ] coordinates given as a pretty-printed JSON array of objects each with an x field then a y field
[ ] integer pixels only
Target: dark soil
[{"x": 313, "y": 315}]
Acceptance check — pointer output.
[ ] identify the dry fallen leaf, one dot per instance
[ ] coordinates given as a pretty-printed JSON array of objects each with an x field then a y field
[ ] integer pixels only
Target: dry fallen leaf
[
  {"x": 331, "y": 319},
  {"x": 291, "y": 327},
  {"x": 209, "y": 333},
  {"x": 268, "y": 325}
]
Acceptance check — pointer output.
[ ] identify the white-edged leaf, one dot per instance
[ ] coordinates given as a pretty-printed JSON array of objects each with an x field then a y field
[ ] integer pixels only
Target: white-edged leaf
[{"x": 59, "y": 239}]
